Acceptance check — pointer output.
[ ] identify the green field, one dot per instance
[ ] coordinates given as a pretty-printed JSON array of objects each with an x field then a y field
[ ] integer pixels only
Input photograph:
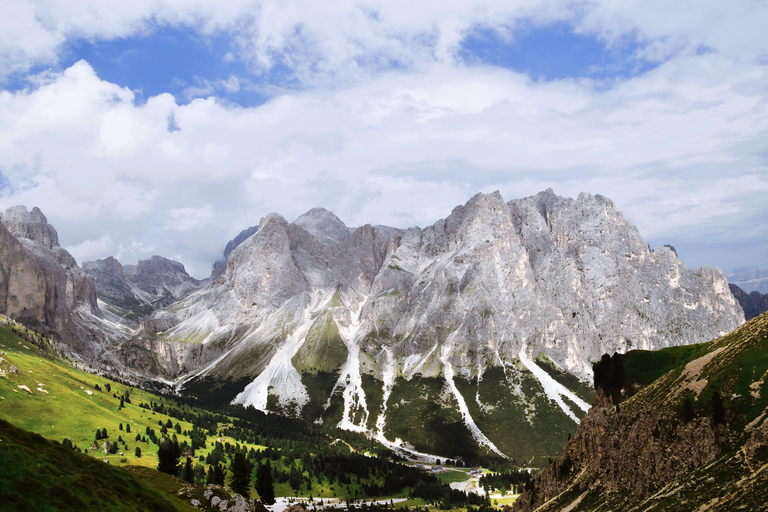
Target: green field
[
  {"x": 41, "y": 475},
  {"x": 50, "y": 397}
]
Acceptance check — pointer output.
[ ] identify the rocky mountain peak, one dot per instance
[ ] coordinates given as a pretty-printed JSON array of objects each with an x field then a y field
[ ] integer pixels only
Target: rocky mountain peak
[
  {"x": 220, "y": 266},
  {"x": 272, "y": 220},
  {"x": 323, "y": 224},
  {"x": 159, "y": 275},
  {"x": 108, "y": 264},
  {"x": 31, "y": 225},
  {"x": 160, "y": 265}
]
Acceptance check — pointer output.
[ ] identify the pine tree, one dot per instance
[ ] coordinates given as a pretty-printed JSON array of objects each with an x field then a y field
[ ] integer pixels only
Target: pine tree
[
  {"x": 688, "y": 412},
  {"x": 210, "y": 479},
  {"x": 98, "y": 434},
  {"x": 188, "y": 475},
  {"x": 265, "y": 484},
  {"x": 218, "y": 474},
  {"x": 104, "y": 434},
  {"x": 128, "y": 428},
  {"x": 138, "y": 452},
  {"x": 241, "y": 475},
  {"x": 168, "y": 454}
]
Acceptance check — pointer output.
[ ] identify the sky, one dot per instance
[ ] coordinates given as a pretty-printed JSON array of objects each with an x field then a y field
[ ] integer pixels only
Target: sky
[{"x": 151, "y": 127}]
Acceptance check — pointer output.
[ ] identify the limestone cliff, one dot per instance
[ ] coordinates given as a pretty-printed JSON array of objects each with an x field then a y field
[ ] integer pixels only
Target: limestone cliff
[{"x": 42, "y": 285}]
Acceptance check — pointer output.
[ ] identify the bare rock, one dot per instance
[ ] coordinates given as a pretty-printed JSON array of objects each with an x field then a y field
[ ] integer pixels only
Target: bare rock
[{"x": 567, "y": 277}]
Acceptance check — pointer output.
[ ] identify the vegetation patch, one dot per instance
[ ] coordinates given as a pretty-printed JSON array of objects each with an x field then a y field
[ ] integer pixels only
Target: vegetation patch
[
  {"x": 323, "y": 349},
  {"x": 319, "y": 386},
  {"x": 529, "y": 428},
  {"x": 421, "y": 412},
  {"x": 38, "y": 474}
]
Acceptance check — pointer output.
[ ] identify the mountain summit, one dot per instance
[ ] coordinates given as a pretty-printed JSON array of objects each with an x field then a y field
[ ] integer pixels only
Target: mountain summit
[{"x": 478, "y": 325}]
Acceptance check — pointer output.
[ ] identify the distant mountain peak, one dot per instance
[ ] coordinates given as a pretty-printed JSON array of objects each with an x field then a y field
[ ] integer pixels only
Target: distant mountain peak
[{"x": 323, "y": 224}]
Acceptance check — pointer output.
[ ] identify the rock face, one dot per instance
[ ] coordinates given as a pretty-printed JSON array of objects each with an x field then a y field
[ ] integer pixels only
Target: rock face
[
  {"x": 754, "y": 303},
  {"x": 487, "y": 314},
  {"x": 41, "y": 284},
  {"x": 654, "y": 453},
  {"x": 750, "y": 279},
  {"x": 134, "y": 291}
]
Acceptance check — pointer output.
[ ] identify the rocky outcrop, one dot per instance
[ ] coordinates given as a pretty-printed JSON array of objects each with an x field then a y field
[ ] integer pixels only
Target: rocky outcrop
[
  {"x": 754, "y": 303},
  {"x": 41, "y": 284},
  {"x": 221, "y": 265},
  {"x": 161, "y": 277},
  {"x": 30, "y": 225},
  {"x": 219, "y": 498}
]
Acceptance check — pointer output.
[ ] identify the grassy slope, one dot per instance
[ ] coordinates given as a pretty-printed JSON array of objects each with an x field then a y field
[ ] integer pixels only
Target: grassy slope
[
  {"x": 739, "y": 372},
  {"x": 529, "y": 431},
  {"x": 68, "y": 411},
  {"x": 38, "y": 474},
  {"x": 65, "y": 409}
]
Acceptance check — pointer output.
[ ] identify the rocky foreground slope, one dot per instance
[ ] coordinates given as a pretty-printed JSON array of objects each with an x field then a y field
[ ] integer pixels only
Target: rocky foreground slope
[
  {"x": 458, "y": 334},
  {"x": 694, "y": 439}
]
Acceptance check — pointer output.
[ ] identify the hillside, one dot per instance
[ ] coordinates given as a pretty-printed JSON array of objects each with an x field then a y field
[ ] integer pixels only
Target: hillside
[
  {"x": 42, "y": 475},
  {"x": 689, "y": 433},
  {"x": 48, "y": 396}
]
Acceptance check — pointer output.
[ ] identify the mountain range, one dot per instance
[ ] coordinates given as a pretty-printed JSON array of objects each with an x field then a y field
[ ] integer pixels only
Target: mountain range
[
  {"x": 476, "y": 334},
  {"x": 750, "y": 279}
]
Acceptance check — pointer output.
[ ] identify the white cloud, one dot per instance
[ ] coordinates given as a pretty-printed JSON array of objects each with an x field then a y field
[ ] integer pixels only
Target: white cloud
[
  {"x": 187, "y": 219},
  {"x": 345, "y": 39}
]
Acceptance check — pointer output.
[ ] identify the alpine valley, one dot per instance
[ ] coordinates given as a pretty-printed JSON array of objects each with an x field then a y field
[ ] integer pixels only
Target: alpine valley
[{"x": 472, "y": 337}]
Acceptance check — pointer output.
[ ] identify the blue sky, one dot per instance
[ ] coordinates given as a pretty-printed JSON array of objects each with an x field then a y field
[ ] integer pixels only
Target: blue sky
[{"x": 167, "y": 127}]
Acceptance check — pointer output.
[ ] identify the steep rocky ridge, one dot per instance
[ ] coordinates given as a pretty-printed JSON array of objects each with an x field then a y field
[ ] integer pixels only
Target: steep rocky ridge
[
  {"x": 753, "y": 303},
  {"x": 43, "y": 287},
  {"x": 481, "y": 322},
  {"x": 652, "y": 452}
]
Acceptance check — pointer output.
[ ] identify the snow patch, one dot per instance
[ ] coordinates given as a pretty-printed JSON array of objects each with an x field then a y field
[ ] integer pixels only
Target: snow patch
[
  {"x": 279, "y": 374},
  {"x": 351, "y": 378},
  {"x": 554, "y": 390},
  {"x": 477, "y": 434}
]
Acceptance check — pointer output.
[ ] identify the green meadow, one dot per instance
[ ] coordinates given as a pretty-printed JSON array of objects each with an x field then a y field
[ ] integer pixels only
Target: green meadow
[{"x": 51, "y": 397}]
